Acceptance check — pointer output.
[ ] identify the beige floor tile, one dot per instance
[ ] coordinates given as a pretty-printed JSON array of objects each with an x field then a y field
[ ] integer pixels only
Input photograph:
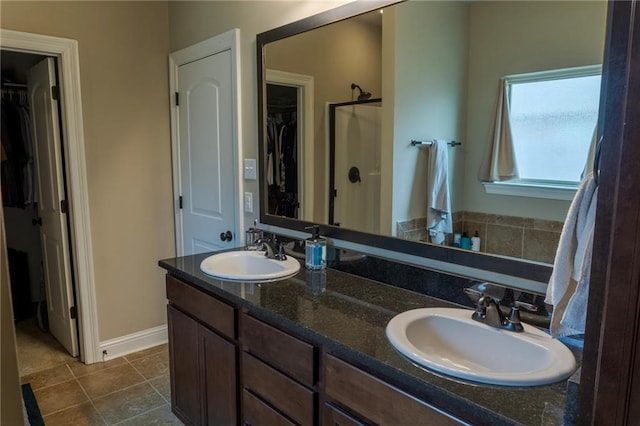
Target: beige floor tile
[
  {"x": 79, "y": 415},
  {"x": 150, "y": 351},
  {"x": 60, "y": 396},
  {"x": 153, "y": 365},
  {"x": 79, "y": 369},
  {"x": 162, "y": 385},
  {"x": 158, "y": 417},
  {"x": 127, "y": 403},
  {"x": 38, "y": 350},
  {"x": 110, "y": 380},
  {"x": 49, "y": 377}
]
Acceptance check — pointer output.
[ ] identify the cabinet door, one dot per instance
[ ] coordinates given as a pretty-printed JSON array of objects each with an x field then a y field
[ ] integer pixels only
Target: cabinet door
[
  {"x": 219, "y": 383},
  {"x": 183, "y": 353}
]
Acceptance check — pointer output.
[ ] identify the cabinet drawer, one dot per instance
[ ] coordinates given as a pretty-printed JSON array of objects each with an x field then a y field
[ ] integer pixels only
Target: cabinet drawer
[
  {"x": 257, "y": 413},
  {"x": 376, "y": 400},
  {"x": 333, "y": 416},
  {"x": 288, "y": 354},
  {"x": 209, "y": 310},
  {"x": 290, "y": 397}
]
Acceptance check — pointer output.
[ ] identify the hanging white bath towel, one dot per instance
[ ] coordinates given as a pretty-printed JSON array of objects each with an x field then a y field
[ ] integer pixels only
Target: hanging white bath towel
[
  {"x": 569, "y": 284},
  {"x": 439, "y": 221}
]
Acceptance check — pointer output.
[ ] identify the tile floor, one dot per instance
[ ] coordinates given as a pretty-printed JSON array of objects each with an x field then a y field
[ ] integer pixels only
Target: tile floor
[{"x": 130, "y": 390}]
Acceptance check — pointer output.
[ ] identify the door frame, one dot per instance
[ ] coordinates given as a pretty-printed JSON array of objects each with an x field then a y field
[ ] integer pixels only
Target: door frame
[
  {"x": 66, "y": 51},
  {"x": 229, "y": 40},
  {"x": 306, "y": 151}
]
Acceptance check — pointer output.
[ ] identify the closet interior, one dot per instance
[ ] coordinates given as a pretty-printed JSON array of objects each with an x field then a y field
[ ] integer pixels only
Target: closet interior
[
  {"x": 20, "y": 196},
  {"x": 282, "y": 150}
]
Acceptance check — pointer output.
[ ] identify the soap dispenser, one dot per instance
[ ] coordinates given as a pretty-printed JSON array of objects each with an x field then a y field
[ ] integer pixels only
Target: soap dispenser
[{"x": 315, "y": 249}]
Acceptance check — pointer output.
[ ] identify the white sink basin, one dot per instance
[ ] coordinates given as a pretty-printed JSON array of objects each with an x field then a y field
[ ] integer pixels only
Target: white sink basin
[
  {"x": 448, "y": 341},
  {"x": 248, "y": 266}
]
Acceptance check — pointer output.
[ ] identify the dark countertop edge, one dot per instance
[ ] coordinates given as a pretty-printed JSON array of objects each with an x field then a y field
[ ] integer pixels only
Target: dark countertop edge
[{"x": 442, "y": 399}]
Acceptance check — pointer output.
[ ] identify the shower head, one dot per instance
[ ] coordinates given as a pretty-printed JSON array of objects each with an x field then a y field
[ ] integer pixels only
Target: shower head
[{"x": 363, "y": 95}]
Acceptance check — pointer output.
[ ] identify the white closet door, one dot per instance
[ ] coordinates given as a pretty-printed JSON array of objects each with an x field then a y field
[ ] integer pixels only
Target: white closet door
[{"x": 50, "y": 186}]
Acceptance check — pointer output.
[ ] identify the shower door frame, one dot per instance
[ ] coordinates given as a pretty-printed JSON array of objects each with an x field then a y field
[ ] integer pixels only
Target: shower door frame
[{"x": 332, "y": 151}]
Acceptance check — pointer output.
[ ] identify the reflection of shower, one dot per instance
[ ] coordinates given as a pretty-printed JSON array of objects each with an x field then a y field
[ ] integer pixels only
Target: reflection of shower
[
  {"x": 363, "y": 95},
  {"x": 354, "y": 164}
]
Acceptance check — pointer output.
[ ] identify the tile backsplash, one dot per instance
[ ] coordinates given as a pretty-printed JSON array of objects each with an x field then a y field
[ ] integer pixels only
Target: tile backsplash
[{"x": 526, "y": 238}]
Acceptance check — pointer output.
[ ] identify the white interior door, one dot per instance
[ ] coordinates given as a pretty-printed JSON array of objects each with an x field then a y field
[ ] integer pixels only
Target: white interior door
[
  {"x": 50, "y": 187},
  {"x": 206, "y": 151}
]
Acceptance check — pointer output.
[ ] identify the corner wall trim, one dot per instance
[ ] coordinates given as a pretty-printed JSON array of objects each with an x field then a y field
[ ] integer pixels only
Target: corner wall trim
[{"x": 134, "y": 342}]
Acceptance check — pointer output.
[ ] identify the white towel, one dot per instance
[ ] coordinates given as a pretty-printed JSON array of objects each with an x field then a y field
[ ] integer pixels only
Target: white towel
[
  {"x": 569, "y": 284},
  {"x": 439, "y": 220}
]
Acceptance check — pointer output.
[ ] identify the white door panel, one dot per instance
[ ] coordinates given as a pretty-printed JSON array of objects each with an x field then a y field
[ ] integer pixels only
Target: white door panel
[
  {"x": 50, "y": 187},
  {"x": 206, "y": 151}
]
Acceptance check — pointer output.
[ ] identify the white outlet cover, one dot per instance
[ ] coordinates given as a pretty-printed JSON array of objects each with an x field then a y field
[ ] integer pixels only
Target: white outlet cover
[{"x": 250, "y": 168}]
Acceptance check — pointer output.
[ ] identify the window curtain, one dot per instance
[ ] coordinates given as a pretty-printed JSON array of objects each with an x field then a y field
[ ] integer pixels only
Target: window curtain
[
  {"x": 499, "y": 162},
  {"x": 591, "y": 157}
]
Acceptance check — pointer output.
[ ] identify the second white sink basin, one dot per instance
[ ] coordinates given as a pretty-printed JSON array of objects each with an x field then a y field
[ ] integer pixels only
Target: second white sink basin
[
  {"x": 448, "y": 341},
  {"x": 248, "y": 266}
]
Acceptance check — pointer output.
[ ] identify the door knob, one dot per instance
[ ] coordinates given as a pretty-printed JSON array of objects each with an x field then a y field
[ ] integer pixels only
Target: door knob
[
  {"x": 37, "y": 221},
  {"x": 354, "y": 175},
  {"x": 226, "y": 236}
]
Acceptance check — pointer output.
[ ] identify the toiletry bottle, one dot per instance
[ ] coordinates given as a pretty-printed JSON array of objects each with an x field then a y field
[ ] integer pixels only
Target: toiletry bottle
[
  {"x": 465, "y": 241},
  {"x": 456, "y": 239},
  {"x": 252, "y": 236},
  {"x": 475, "y": 242},
  {"x": 315, "y": 250}
]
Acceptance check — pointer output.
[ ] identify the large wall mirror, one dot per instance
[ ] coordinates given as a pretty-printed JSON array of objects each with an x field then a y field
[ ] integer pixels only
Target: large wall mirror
[{"x": 342, "y": 95}]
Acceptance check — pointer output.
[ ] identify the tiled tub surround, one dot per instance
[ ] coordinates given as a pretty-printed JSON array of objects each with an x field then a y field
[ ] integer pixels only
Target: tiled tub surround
[
  {"x": 348, "y": 318},
  {"x": 522, "y": 237}
]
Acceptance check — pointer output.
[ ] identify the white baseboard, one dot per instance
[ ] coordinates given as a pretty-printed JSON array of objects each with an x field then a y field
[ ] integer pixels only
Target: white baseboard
[{"x": 133, "y": 342}]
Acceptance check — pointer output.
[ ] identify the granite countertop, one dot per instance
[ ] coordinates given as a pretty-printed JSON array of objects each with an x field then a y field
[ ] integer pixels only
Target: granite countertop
[{"x": 348, "y": 315}]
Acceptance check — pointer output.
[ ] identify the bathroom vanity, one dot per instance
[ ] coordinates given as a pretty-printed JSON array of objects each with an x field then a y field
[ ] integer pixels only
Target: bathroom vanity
[{"x": 312, "y": 350}]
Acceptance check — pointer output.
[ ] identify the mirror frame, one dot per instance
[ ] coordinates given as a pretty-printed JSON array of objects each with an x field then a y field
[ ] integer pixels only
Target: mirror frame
[{"x": 483, "y": 261}]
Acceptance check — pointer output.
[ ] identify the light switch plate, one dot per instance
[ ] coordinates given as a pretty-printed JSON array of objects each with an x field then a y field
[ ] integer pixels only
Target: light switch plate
[
  {"x": 250, "y": 168},
  {"x": 248, "y": 202}
]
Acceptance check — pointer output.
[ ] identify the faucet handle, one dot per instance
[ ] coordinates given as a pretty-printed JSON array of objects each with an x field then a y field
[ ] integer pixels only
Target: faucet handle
[
  {"x": 528, "y": 306},
  {"x": 513, "y": 322},
  {"x": 280, "y": 254},
  {"x": 473, "y": 293}
]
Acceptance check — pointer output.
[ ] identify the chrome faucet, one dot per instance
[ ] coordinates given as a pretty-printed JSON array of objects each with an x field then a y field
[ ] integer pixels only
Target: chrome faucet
[{"x": 273, "y": 249}]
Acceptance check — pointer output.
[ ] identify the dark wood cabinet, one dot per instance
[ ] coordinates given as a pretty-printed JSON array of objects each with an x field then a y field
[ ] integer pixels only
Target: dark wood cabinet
[
  {"x": 280, "y": 374},
  {"x": 258, "y": 413},
  {"x": 288, "y": 354},
  {"x": 279, "y": 371},
  {"x": 183, "y": 366},
  {"x": 203, "y": 362},
  {"x": 379, "y": 402},
  {"x": 219, "y": 385},
  {"x": 333, "y": 416}
]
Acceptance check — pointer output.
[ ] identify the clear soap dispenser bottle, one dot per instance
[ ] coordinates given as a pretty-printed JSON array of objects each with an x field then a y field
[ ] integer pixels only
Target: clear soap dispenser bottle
[{"x": 315, "y": 250}]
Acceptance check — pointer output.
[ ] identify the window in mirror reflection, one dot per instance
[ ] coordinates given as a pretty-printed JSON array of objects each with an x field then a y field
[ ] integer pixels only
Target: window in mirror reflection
[{"x": 553, "y": 116}]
